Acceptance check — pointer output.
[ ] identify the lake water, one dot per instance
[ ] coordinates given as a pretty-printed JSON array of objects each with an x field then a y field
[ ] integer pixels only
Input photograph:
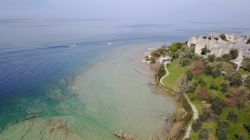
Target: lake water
[{"x": 59, "y": 78}]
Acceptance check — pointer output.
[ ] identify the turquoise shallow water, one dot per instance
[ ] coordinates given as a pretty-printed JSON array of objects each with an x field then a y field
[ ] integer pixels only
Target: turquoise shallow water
[
  {"x": 110, "y": 95},
  {"x": 118, "y": 96}
]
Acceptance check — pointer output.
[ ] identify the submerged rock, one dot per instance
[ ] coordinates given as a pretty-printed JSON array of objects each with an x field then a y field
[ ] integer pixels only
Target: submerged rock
[{"x": 123, "y": 136}]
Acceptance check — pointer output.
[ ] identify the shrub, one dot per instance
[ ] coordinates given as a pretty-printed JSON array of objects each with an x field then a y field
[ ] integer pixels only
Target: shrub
[
  {"x": 247, "y": 81},
  {"x": 202, "y": 92},
  {"x": 198, "y": 67},
  {"x": 192, "y": 45},
  {"x": 211, "y": 58},
  {"x": 205, "y": 50},
  {"x": 221, "y": 131},
  {"x": 189, "y": 75},
  {"x": 160, "y": 72},
  {"x": 209, "y": 69},
  {"x": 192, "y": 49},
  {"x": 236, "y": 79},
  {"x": 174, "y": 55},
  {"x": 234, "y": 53},
  {"x": 217, "y": 105},
  {"x": 183, "y": 85},
  {"x": 238, "y": 96},
  {"x": 152, "y": 61},
  {"x": 205, "y": 115},
  {"x": 175, "y": 46},
  {"x": 228, "y": 69},
  {"x": 223, "y": 37},
  {"x": 187, "y": 54},
  {"x": 203, "y": 134},
  {"x": 215, "y": 72},
  {"x": 213, "y": 86},
  {"x": 246, "y": 63},
  {"x": 247, "y": 126},
  {"x": 201, "y": 82},
  {"x": 158, "y": 52},
  {"x": 196, "y": 125},
  {"x": 191, "y": 88},
  {"x": 226, "y": 57},
  {"x": 224, "y": 87},
  {"x": 248, "y": 41},
  {"x": 216, "y": 38},
  {"x": 185, "y": 61},
  {"x": 232, "y": 116},
  {"x": 239, "y": 137}
]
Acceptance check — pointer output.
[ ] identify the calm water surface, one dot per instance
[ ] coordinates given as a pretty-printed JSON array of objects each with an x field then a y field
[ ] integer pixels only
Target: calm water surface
[{"x": 60, "y": 80}]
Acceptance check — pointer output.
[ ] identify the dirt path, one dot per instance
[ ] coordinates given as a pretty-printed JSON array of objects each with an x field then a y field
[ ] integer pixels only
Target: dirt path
[{"x": 193, "y": 107}]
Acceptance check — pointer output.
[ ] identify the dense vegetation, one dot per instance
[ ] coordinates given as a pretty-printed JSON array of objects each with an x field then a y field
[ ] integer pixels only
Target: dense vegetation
[{"x": 220, "y": 92}]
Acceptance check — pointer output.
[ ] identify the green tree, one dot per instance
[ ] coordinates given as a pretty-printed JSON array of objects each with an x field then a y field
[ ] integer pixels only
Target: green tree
[
  {"x": 211, "y": 58},
  {"x": 224, "y": 87},
  {"x": 234, "y": 53},
  {"x": 205, "y": 115},
  {"x": 246, "y": 63},
  {"x": 215, "y": 72},
  {"x": 213, "y": 86},
  {"x": 232, "y": 116},
  {"x": 240, "y": 137},
  {"x": 221, "y": 131},
  {"x": 205, "y": 50},
  {"x": 223, "y": 37},
  {"x": 203, "y": 134},
  {"x": 175, "y": 46},
  {"x": 196, "y": 125},
  {"x": 189, "y": 75},
  {"x": 226, "y": 57},
  {"x": 247, "y": 126},
  {"x": 160, "y": 72},
  {"x": 192, "y": 45},
  {"x": 236, "y": 79},
  {"x": 217, "y": 105},
  {"x": 247, "y": 81},
  {"x": 185, "y": 61},
  {"x": 191, "y": 88},
  {"x": 248, "y": 41}
]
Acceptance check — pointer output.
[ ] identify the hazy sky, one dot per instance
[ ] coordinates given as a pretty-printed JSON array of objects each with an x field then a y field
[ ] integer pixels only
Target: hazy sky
[{"x": 176, "y": 10}]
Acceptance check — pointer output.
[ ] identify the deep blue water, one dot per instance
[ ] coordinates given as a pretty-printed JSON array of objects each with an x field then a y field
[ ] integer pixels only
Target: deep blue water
[{"x": 39, "y": 55}]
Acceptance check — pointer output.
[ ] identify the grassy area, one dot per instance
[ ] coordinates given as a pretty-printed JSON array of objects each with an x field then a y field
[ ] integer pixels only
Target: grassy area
[
  {"x": 218, "y": 91},
  {"x": 237, "y": 127},
  {"x": 212, "y": 81},
  {"x": 176, "y": 72},
  {"x": 211, "y": 125}
]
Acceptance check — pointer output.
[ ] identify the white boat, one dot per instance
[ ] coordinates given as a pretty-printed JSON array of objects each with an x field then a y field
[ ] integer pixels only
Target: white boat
[
  {"x": 73, "y": 45},
  {"x": 109, "y": 43}
]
